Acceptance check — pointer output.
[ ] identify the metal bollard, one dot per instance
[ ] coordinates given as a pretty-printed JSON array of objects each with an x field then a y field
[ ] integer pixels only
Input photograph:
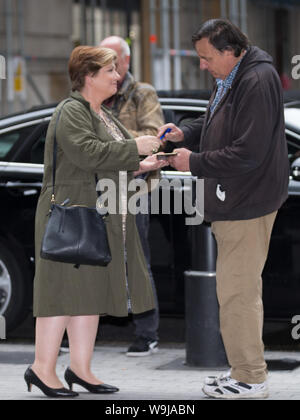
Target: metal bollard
[{"x": 204, "y": 344}]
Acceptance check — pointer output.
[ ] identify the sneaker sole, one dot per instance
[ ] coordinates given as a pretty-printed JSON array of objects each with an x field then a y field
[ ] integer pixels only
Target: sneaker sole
[
  {"x": 258, "y": 395},
  {"x": 142, "y": 353}
]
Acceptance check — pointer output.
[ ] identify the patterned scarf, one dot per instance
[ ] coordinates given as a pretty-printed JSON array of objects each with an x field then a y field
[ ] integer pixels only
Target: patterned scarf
[{"x": 224, "y": 85}]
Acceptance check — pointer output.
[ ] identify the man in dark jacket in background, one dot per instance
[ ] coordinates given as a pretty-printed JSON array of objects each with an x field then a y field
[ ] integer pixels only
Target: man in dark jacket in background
[{"x": 240, "y": 150}]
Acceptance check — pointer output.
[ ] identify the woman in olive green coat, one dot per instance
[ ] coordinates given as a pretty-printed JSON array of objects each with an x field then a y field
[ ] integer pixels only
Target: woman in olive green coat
[{"x": 90, "y": 141}]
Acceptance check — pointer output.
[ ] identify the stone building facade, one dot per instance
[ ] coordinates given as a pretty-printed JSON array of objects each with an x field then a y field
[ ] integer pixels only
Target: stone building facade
[{"x": 36, "y": 38}]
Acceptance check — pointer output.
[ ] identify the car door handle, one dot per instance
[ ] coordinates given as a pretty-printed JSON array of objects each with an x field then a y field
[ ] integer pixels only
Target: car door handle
[
  {"x": 24, "y": 188},
  {"x": 25, "y": 185}
]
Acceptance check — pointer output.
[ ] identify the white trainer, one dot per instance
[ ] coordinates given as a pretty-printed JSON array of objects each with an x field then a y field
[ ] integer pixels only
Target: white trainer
[
  {"x": 215, "y": 380},
  {"x": 230, "y": 389}
]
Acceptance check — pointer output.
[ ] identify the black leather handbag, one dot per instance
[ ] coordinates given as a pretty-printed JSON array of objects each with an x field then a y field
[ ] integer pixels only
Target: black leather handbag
[{"x": 75, "y": 234}]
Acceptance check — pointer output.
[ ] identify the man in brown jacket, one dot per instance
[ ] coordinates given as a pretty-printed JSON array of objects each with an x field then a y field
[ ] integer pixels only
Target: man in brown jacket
[{"x": 137, "y": 107}]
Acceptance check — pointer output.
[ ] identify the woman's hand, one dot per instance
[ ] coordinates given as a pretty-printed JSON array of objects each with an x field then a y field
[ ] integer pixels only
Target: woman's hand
[
  {"x": 147, "y": 145},
  {"x": 175, "y": 135},
  {"x": 151, "y": 163}
]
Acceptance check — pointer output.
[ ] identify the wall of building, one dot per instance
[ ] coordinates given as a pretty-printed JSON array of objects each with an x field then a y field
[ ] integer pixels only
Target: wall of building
[
  {"x": 46, "y": 46},
  {"x": 271, "y": 25},
  {"x": 263, "y": 32},
  {"x": 192, "y": 14},
  {"x": 53, "y": 27},
  {"x": 48, "y": 43}
]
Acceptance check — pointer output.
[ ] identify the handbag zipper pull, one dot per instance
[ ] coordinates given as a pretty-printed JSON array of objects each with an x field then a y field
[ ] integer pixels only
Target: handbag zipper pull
[{"x": 65, "y": 202}]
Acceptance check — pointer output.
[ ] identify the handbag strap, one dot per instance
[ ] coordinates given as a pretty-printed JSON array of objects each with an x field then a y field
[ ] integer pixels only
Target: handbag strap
[
  {"x": 55, "y": 153},
  {"x": 55, "y": 156}
]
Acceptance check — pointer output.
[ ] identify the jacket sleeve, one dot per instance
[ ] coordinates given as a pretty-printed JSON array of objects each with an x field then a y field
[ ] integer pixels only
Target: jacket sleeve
[
  {"x": 149, "y": 113},
  {"x": 82, "y": 146},
  {"x": 257, "y": 112},
  {"x": 192, "y": 134}
]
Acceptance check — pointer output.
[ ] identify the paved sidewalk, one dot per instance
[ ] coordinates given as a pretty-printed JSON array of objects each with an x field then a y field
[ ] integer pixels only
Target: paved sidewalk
[{"x": 162, "y": 376}]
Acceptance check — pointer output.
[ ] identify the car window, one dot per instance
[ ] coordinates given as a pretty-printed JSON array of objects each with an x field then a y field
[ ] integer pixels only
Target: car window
[
  {"x": 37, "y": 150},
  {"x": 29, "y": 144},
  {"x": 10, "y": 138}
]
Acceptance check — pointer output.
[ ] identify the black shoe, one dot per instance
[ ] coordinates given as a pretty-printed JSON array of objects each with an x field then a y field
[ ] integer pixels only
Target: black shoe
[
  {"x": 71, "y": 379},
  {"x": 32, "y": 379},
  {"x": 143, "y": 347}
]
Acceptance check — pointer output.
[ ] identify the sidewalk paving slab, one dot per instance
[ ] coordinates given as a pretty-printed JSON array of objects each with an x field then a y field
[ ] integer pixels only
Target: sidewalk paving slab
[{"x": 161, "y": 376}]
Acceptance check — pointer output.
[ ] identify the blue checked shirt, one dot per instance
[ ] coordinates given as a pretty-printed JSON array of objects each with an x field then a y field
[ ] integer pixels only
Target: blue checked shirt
[{"x": 223, "y": 86}]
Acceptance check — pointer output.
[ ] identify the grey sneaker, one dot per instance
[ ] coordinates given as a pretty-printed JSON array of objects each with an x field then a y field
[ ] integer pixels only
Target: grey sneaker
[
  {"x": 228, "y": 388},
  {"x": 143, "y": 347}
]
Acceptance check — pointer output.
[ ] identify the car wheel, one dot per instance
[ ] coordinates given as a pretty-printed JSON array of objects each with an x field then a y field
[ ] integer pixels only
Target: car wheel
[{"x": 14, "y": 288}]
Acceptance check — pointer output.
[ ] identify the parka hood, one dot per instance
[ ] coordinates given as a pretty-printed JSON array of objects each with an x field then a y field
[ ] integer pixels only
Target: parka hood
[{"x": 253, "y": 57}]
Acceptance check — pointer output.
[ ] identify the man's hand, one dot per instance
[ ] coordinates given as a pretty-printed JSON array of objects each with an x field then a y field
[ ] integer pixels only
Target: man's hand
[
  {"x": 181, "y": 162},
  {"x": 175, "y": 135}
]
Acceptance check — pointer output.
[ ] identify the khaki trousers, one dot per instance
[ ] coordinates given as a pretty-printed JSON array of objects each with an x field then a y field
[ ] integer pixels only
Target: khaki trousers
[{"x": 242, "y": 252}]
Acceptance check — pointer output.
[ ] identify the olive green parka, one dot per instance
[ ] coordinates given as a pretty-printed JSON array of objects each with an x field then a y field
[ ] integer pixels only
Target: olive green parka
[{"x": 85, "y": 148}]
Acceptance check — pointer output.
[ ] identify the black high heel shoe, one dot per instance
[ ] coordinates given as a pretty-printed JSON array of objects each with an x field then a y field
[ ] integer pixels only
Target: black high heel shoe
[
  {"x": 71, "y": 379},
  {"x": 32, "y": 379}
]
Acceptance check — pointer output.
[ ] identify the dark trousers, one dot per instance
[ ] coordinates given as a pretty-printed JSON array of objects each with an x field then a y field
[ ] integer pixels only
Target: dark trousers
[{"x": 146, "y": 324}]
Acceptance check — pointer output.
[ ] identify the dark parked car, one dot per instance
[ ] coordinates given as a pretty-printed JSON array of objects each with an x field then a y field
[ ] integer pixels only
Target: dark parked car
[{"x": 22, "y": 138}]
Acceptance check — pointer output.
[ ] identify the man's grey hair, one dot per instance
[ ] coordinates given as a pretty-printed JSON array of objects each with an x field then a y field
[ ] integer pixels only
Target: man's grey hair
[
  {"x": 121, "y": 41},
  {"x": 125, "y": 47}
]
